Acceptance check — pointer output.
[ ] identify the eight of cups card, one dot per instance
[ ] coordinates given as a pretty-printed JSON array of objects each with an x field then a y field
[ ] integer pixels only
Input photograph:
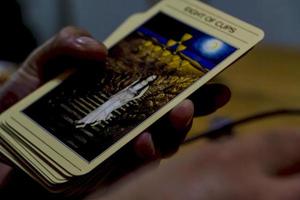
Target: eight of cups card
[{"x": 156, "y": 59}]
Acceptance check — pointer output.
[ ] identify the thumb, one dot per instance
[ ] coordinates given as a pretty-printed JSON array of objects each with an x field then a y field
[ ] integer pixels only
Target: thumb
[
  {"x": 64, "y": 50},
  {"x": 72, "y": 43}
]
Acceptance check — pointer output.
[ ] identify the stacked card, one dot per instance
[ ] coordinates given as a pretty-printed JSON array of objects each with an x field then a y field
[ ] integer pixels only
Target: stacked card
[{"x": 63, "y": 132}]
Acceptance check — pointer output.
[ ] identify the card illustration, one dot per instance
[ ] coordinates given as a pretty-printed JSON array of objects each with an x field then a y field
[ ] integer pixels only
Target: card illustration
[{"x": 96, "y": 106}]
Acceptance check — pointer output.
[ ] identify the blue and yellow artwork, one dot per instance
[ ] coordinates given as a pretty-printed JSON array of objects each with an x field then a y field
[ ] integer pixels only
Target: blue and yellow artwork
[{"x": 182, "y": 39}]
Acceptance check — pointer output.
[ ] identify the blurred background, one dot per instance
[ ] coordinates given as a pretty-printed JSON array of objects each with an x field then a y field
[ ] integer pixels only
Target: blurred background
[
  {"x": 279, "y": 19},
  {"x": 267, "y": 78}
]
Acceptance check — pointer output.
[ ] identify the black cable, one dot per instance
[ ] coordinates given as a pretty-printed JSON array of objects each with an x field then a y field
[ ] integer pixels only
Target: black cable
[{"x": 225, "y": 130}]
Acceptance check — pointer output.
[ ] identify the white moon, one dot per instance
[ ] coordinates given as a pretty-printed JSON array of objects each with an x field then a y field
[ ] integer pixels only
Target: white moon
[{"x": 212, "y": 46}]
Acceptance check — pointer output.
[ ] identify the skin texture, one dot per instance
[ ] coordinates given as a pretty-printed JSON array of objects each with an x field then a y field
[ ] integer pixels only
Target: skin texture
[
  {"x": 76, "y": 47},
  {"x": 262, "y": 167}
]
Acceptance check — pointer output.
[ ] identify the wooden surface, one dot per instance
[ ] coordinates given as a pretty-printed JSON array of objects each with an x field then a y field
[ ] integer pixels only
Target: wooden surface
[{"x": 265, "y": 79}]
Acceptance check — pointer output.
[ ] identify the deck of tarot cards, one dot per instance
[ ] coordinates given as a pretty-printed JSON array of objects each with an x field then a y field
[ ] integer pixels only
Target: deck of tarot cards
[{"x": 63, "y": 133}]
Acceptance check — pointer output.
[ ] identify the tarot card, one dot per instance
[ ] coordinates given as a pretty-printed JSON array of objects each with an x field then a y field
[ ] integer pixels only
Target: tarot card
[
  {"x": 83, "y": 118},
  {"x": 29, "y": 160},
  {"x": 26, "y": 139}
]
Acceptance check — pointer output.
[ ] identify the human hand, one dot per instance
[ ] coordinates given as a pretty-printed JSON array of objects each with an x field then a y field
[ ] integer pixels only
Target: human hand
[
  {"x": 74, "y": 45},
  {"x": 264, "y": 166}
]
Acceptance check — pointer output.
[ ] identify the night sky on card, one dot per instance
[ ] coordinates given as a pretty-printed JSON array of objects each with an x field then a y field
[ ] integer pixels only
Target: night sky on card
[{"x": 203, "y": 48}]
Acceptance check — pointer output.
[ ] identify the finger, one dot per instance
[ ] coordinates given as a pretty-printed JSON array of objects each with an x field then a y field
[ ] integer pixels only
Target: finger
[
  {"x": 136, "y": 154},
  {"x": 72, "y": 47},
  {"x": 209, "y": 98},
  {"x": 5, "y": 171},
  {"x": 169, "y": 132},
  {"x": 144, "y": 147},
  {"x": 71, "y": 43}
]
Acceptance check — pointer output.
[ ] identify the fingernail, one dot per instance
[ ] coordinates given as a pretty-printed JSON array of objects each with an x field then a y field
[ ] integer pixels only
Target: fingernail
[
  {"x": 222, "y": 97},
  {"x": 151, "y": 149},
  {"x": 147, "y": 149},
  {"x": 187, "y": 105},
  {"x": 92, "y": 45},
  {"x": 87, "y": 41},
  {"x": 5, "y": 172},
  {"x": 182, "y": 115},
  {"x": 189, "y": 121}
]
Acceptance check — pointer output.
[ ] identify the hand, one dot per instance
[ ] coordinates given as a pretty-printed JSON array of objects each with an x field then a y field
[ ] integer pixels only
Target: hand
[
  {"x": 73, "y": 45},
  {"x": 262, "y": 167}
]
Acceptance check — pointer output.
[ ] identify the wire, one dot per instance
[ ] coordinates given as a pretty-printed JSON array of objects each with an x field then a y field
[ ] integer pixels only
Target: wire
[{"x": 225, "y": 130}]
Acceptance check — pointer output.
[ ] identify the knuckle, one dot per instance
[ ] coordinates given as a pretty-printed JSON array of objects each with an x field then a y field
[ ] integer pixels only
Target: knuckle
[
  {"x": 65, "y": 32},
  {"x": 69, "y": 29}
]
